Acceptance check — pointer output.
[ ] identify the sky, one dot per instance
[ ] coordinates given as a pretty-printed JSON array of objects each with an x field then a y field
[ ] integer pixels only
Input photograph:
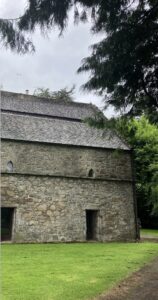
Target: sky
[{"x": 55, "y": 62}]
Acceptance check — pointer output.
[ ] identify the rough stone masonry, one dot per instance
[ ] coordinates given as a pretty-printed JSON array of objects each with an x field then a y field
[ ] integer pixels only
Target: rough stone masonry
[{"x": 62, "y": 180}]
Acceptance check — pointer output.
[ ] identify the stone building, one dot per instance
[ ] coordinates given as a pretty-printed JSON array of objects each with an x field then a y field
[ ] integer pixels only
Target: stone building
[{"x": 61, "y": 179}]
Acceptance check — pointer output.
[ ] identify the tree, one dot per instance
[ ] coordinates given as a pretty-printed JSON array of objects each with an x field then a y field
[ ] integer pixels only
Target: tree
[
  {"x": 63, "y": 94},
  {"x": 124, "y": 65},
  {"x": 143, "y": 137}
]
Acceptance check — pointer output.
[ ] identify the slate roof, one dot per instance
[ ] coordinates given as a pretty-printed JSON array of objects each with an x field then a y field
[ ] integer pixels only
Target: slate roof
[
  {"x": 29, "y": 121},
  {"x": 43, "y": 106}
]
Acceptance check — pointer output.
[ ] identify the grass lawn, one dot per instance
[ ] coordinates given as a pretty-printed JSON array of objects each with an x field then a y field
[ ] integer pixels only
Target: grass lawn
[
  {"x": 68, "y": 271},
  {"x": 149, "y": 232}
]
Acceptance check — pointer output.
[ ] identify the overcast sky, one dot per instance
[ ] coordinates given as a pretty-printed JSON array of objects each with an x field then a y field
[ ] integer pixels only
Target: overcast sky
[{"x": 54, "y": 63}]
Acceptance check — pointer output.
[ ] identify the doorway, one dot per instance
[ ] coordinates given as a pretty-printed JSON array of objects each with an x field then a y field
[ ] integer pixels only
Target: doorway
[
  {"x": 91, "y": 224},
  {"x": 6, "y": 223}
]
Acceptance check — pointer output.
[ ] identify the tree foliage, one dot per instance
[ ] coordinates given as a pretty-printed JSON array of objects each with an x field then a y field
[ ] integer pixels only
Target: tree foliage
[
  {"x": 143, "y": 137},
  {"x": 124, "y": 65},
  {"x": 63, "y": 94},
  {"x": 11, "y": 37}
]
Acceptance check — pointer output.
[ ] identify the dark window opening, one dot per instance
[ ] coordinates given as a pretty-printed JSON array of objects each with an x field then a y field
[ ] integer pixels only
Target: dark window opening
[
  {"x": 91, "y": 173},
  {"x": 91, "y": 224},
  {"x": 6, "y": 223}
]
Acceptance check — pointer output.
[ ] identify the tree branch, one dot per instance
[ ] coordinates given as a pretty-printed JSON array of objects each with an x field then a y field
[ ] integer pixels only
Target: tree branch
[{"x": 153, "y": 99}]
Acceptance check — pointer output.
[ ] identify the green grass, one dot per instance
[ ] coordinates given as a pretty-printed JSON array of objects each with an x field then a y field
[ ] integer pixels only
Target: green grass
[
  {"x": 69, "y": 271},
  {"x": 149, "y": 232}
]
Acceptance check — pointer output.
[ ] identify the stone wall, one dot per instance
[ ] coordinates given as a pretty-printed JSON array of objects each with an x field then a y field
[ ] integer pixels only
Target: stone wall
[
  {"x": 51, "y": 209},
  {"x": 50, "y": 190},
  {"x": 54, "y": 160}
]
